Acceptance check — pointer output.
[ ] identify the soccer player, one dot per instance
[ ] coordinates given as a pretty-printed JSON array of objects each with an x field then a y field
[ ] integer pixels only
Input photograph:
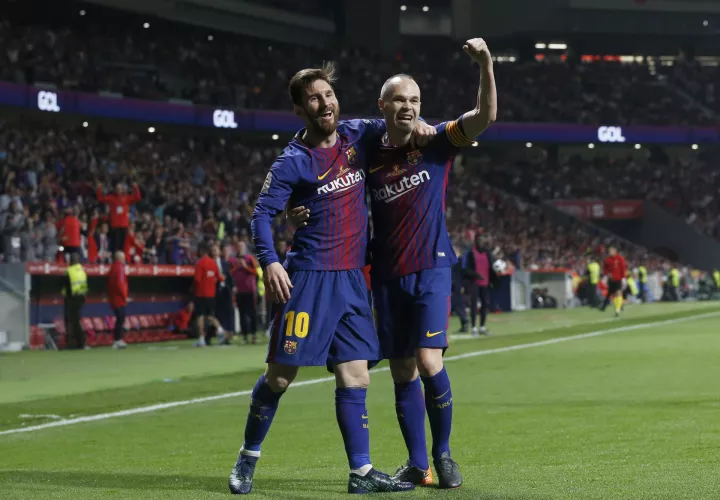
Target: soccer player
[
  {"x": 322, "y": 314},
  {"x": 615, "y": 268},
  {"x": 412, "y": 257}
]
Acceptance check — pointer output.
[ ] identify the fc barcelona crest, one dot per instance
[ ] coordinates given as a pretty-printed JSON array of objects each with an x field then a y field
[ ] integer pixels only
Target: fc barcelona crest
[
  {"x": 351, "y": 155},
  {"x": 290, "y": 346},
  {"x": 413, "y": 157}
]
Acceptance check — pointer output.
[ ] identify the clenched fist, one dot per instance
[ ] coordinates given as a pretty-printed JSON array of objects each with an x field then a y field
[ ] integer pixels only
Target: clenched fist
[{"x": 478, "y": 50}]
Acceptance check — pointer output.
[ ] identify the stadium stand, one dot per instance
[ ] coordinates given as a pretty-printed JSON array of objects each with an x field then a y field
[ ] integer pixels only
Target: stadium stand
[{"x": 114, "y": 53}]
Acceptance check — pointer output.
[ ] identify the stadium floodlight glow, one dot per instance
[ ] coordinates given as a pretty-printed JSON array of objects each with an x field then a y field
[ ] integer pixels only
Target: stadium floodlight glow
[
  {"x": 557, "y": 46},
  {"x": 591, "y": 146},
  {"x": 82, "y": 12},
  {"x": 637, "y": 146},
  {"x": 146, "y": 25},
  {"x": 695, "y": 147},
  {"x": 275, "y": 137},
  {"x": 403, "y": 8},
  {"x": 528, "y": 145},
  {"x": 425, "y": 8},
  {"x": 210, "y": 38},
  {"x": 85, "y": 124},
  {"x": 475, "y": 144},
  {"x": 705, "y": 22},
  {"x": 151, "y": 130},
  {"x": 540, "y": 45}
]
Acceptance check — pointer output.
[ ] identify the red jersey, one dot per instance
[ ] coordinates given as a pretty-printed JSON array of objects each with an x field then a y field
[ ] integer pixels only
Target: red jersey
[
  {"x": 207, "y": 275},
  {"x": 133, "y": 249},
  {"x": 117, "y": 285},
  {"x": 615, "y": 267},
  {"x": 181, "y": 319},
  {"x": 119, "y": 206},
  {"x": 70, "y": 227}
]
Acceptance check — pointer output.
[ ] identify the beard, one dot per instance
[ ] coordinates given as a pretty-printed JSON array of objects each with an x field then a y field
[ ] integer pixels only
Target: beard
[{"x": 317, "y": 125}]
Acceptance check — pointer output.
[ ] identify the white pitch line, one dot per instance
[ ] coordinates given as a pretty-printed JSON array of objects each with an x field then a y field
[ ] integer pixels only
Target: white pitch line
[{"x": 472, "y": 354}]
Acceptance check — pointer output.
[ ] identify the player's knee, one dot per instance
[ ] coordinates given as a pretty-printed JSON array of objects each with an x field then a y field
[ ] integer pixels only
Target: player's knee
[
  {"x": 403, "y": 370},
  {"x": 429, "y": 361},
  {"x": 279, "y": 377},
  {"x": 352, "y": 374}
]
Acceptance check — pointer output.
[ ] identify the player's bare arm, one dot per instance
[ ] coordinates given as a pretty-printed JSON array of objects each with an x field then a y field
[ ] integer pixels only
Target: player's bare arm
[
  {"x": 277, "y": 282},
  {"x": 485, "y": 113}
]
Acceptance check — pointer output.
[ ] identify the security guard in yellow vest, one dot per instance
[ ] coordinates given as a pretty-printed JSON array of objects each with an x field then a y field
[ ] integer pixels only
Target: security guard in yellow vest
[
  {"x": 716, "y": 279},
  {"x": 643, "y": 283},
  {"x": 593, "y": 273},
  {"x": 74, "y": 289},
  {"x": 631, "y": 289}
]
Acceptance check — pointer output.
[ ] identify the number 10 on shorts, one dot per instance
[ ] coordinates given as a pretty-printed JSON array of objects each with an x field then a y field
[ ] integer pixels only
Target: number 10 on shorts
[{"x": 297, "y": 323}]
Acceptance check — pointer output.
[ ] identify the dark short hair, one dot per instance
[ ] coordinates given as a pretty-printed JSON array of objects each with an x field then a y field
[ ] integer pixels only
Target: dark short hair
[{"x": 305, "y": 77}]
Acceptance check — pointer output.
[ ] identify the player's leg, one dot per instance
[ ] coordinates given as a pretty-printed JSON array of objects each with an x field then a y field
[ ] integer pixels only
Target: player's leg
[
  {"x": 484, "y": 296},
  {"x": 355, "y": 346},
  {"x": 608, "y": 297},
  {"x": 264, "y": 403},
  {"x": 431, "y": 310},
  {"x": 302, "y": 331},
  {"x": 473, "y": 289},
  {"x": 393, "y": 321}
]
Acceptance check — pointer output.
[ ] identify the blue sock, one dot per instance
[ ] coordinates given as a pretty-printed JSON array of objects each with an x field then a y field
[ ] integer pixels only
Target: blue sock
[
  {"x": 263, "y": 405},
  {"x": 410, "y": 409},
  {"x": 352, "y": 418},
  {"x": 438, "y": 401}
]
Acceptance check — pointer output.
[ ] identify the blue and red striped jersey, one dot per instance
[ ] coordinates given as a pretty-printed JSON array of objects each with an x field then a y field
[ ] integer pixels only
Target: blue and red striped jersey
[
  {"x": 331, "y": 183},
  {"x": 408, "y": 189}
]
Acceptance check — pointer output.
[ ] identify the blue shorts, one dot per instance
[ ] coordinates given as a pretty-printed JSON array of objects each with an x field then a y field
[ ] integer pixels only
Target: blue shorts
[
  {"x": 413, "y": 311},
  {"x": 326, "y": 321}
]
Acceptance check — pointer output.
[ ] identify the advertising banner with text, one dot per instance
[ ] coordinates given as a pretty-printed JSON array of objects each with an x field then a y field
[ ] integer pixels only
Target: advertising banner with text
[{"x": 601, "y": 209}]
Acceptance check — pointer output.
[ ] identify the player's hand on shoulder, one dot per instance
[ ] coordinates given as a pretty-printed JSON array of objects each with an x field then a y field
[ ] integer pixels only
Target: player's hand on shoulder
[
  {"x": 478, "y": 50},
  {"x": 297, "y": 217},
  {"x": 422, "y": 134},
  {"x": 277, "y": 283}
]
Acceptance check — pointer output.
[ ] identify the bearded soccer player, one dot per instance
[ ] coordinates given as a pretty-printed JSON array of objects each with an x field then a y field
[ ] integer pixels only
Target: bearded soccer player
[
  {"x": 615, "y": 268},
  {"x": 321, "y": 314},
  {"x": 412, "y": 257}
]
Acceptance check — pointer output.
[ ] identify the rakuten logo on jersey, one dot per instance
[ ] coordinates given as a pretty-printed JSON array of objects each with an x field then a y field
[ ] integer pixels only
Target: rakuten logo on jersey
[
  {"x": 343, "y": 183},
  {"x": 397, "y": 189}
]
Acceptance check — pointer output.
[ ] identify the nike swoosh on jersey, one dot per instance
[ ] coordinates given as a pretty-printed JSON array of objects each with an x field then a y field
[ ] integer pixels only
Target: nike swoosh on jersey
[
  {"x": 321, "y": 177},
  {"x": 373, "y": 170},
  {"x": 428, "y": 334}
]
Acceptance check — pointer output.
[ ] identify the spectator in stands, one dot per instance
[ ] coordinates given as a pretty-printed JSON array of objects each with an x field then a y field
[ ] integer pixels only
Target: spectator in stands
[
  {"x": 119, "y": 205},
  {"x": 12, "y": 226},
  {"x": 69, "y": 234},
  {"x": 117, "y": 297},
  {"x": 46, "y": 247},
  {"x": 101, "y": 240}
]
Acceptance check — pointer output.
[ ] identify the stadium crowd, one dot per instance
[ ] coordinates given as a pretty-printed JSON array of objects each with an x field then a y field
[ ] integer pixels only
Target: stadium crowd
[
  {"x": 190, "y": 191},
  {"x": 687, "y": 185},
  {"x": 114, "y": 53}
]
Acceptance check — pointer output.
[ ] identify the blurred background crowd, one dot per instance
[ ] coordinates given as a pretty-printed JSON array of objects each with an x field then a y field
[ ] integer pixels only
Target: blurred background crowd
[{"x": 194, "y": 187}]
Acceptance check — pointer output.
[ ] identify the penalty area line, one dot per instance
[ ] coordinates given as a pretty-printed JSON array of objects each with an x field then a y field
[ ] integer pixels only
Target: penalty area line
[{"x": 472, "y": 354}]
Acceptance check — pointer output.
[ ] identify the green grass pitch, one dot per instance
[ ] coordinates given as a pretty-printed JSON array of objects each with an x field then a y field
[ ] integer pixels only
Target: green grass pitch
[{"x": 542, "y": 411}]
